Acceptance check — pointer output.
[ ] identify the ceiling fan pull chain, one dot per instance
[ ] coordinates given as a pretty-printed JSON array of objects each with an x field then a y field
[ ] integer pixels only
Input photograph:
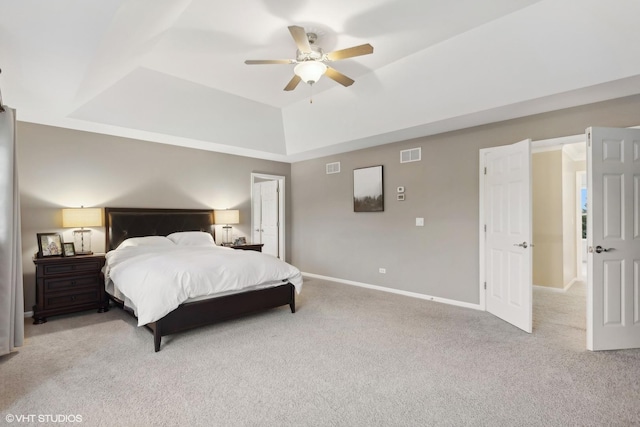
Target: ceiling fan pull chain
[{"x": 311, "y": 96}]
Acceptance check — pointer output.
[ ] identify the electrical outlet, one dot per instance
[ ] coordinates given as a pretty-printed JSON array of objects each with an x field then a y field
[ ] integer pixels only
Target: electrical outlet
[{"x": 382, "y": 270}]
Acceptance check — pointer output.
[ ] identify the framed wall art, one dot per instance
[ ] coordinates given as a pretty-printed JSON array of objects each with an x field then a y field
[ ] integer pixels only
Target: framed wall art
[{"x": 368, "y": 189}]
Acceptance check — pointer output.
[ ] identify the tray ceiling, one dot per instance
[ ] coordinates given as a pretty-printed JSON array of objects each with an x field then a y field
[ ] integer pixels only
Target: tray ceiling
[{"x": 173, "y": 71}]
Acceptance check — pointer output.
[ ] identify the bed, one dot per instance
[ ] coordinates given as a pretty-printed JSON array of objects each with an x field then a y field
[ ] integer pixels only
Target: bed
[{"x": 131, "y": 223}]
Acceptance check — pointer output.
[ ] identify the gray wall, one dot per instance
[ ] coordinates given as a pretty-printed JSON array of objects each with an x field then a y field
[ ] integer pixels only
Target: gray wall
[
  {"x": 66, "y": 168},
  {"x": 441, "y": 258}
]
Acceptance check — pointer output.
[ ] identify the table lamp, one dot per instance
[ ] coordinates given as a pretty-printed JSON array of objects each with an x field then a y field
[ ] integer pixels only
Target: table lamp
[
  {"x": 226, "y": 217},
  {"x": 82, "y": 217}
]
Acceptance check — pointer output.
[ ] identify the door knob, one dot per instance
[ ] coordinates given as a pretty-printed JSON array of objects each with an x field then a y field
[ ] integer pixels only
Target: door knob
[
  {"x": 600, "y": 249},
  {"x": 522, "y": 245}
]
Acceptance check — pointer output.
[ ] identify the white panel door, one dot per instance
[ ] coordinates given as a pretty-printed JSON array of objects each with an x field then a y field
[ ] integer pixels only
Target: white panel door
[
  {"x": 508, "y": 253},
  {"x": 270, "y": 214},
  {"x": 613, "y": 238},
  {"x": 256, "y": 213}
]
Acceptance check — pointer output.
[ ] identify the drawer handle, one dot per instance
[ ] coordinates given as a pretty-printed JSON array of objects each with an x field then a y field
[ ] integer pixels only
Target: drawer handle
[
  {"x": 73, "y": 282},
  {"x": 73, "y": 298}
]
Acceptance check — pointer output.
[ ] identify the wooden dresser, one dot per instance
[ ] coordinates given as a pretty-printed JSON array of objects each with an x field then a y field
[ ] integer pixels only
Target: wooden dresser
[{"x": 68, "y": 284}]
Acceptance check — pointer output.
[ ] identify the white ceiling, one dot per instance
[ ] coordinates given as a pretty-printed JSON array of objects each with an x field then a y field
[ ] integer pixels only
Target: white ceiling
[{"x": 172, "y": 71}]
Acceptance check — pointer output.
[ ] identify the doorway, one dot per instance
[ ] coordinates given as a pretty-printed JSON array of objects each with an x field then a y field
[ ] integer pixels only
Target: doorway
[
  {"x": 506, "y": 227},
  {"x": 268, "y": 213},
  {"x": 613, "y": 248},
  {"x": 557, "y": 215}
]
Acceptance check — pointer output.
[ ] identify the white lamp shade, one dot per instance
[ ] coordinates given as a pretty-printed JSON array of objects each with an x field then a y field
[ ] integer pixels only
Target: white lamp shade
[
  {"x": 82, "y": 217},
  {"x": 310, "y": 71},
  {"x": 228, "y": 216}
]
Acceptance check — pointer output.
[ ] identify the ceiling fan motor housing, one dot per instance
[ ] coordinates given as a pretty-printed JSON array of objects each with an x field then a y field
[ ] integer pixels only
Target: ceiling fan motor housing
[{"x": 316, "y": 54}]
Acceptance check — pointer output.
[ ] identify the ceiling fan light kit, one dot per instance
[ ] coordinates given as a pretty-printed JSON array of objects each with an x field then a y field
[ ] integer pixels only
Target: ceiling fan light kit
[
  {"x": 311, "y": 61},
  {"x": 310, "y": 71}
]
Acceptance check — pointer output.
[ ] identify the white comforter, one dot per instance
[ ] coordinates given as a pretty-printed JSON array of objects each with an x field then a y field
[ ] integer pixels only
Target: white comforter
[{"x": 157, "y": 280}]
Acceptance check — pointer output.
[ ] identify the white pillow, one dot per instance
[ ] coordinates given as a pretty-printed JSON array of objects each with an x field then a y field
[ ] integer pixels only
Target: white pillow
[
  {"x": 145, "y": 241},
  {"x": 192, "y": 238}
]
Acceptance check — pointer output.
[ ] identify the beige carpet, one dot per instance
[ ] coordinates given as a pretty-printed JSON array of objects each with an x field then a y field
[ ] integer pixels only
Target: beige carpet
[{"x": 348, "y": 357}]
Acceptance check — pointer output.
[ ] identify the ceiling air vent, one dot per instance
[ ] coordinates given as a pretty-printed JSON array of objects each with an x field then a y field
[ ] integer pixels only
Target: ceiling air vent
[
  {"x": 333, "y": 168},
  {"x": 411, "y": 155}
]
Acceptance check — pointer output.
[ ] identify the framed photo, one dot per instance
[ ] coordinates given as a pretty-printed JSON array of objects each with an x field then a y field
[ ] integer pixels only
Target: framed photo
[
  {"x": 368, "y": 189},
  {"x": 240, "y": 241},
  {"x": 69, "y": 249},
  {"x": 49, "y": 244}
]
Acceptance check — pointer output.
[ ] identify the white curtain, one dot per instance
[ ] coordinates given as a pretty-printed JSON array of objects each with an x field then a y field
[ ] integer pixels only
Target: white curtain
[{"x": 11, "y": 292}]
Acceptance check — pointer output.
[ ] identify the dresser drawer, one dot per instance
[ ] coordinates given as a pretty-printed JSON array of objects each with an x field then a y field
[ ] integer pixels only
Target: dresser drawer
[
  {"x": 67, "y": 285},
  {"x": 70, "y": 283},
  {"x": 84, "y": 296},
  {"x": 66, "y": 268}
]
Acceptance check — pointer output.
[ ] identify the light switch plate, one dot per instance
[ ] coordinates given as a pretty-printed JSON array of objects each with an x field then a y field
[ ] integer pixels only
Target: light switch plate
[{"x": 419, "y": 222}]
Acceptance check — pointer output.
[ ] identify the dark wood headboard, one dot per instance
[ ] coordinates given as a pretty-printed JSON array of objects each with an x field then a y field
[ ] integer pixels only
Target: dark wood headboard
[{"x": 123, "y": 223}]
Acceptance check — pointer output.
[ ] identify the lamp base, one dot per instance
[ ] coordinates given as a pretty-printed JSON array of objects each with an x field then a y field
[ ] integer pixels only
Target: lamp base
[
  {"x": 82, "y": 242},
  {"x": 226, "y": 240}
]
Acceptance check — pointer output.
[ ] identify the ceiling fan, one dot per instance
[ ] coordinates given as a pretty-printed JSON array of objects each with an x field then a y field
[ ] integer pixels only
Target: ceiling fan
[{"x": 312, "y": 61}]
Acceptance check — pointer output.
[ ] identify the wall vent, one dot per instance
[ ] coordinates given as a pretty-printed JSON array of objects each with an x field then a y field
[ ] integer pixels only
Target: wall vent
[
  {"x": 333, "y": 168},
  {"x": 411, "y": 155}
]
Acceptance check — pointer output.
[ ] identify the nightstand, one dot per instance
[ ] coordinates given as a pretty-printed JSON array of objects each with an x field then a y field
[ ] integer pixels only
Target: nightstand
[
  {"x": 249, "y": 247},
  {"x": 68, "y": 284}
]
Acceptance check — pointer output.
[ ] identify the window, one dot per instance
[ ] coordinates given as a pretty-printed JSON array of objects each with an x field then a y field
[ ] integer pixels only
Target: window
[{"x": 583, "y": 207}]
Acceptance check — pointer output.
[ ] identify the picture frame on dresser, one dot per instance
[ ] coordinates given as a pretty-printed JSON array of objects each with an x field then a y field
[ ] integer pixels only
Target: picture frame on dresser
[
  {"x": 69, "y": 249},
  {"x": 49, "y": 244}
]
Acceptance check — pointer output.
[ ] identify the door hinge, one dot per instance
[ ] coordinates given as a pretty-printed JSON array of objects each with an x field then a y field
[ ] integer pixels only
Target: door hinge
[
  {"x": 485, "y": 285},
  {"x": 485, "y": 170},
  {"x": 589, "y": 139},
  {"x": 485, "y": 228}
]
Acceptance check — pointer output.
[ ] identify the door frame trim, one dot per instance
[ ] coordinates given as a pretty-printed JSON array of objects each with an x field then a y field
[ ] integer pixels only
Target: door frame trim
[
  {"x": 281, "y": 208},
  {"x": 482, "y": 236}
]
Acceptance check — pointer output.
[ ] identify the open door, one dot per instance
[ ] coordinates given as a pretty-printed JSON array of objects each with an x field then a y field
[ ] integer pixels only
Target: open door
[
  {"x": 506, "y": 213},
  {"x": 266, "y": 216},
  {"x": 613, "y": 238},
  {"x": 267, "y": 213}
]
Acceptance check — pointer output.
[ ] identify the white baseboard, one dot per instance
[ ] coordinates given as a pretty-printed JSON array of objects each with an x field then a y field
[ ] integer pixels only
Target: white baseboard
[
  {"x": 396, "y": 291},
  {"x": 559, "y": 290},
  {"x": 28, "y": 314},
  {"x": 570, "y": 284}
]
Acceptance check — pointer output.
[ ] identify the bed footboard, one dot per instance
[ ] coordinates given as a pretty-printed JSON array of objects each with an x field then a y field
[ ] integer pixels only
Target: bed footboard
[{"x": 206, "y": 312}]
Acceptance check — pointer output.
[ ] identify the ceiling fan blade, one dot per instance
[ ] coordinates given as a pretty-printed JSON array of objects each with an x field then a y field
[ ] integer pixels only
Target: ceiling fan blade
[
  {"x": 269, "y": 61},
  {"x": 338, "y": 76},
  {"x": 300, "y": 37},
  {"x": 293, "y": 83},
  {"x": 363, "y": 49}
]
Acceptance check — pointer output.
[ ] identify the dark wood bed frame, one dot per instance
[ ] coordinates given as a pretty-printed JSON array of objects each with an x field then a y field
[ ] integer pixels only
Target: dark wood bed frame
[{"x": 123, "y": 223}]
